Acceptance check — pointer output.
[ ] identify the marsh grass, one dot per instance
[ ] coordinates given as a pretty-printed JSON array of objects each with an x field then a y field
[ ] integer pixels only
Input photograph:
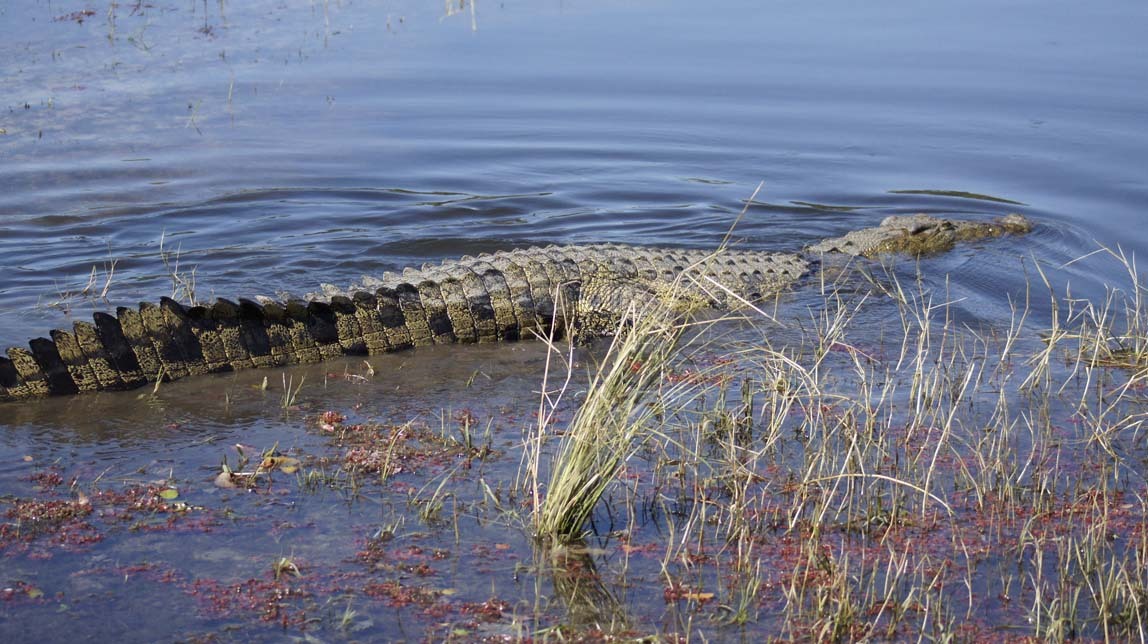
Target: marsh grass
[
  {"x": 853, "y": 466},
  {"x": 96, "y": 290},
  {"x": 929, "y": 482},
  {"x": 627, "y": 396},
  {"x": 291, "y": 391},
  {"x": 101, "y": 278},
  {"x": 182, "y": 278},
  {"x": 611, "y": 423}
]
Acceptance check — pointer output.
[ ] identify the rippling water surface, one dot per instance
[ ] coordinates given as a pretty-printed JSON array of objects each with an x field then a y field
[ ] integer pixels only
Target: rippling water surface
[
  {"x": 278, "y": 145},
  {"x": 282, "y": 144}
]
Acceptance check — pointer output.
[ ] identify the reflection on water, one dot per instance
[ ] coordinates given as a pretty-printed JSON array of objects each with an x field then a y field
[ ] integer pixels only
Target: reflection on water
[{"x": 577, "y": 584}]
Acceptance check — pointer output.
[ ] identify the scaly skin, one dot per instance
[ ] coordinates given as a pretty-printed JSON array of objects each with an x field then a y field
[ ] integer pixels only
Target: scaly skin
[{"x": 493, "y": 297}]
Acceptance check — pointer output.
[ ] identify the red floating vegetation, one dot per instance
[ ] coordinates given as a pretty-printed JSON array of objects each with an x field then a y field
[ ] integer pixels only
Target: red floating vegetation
[
  {"x": 411, "y": 559},
  {"x": 396, "y": 595},
  {"x": 387, "y": 450},
  {"x": 332, "y": 417},
  {"x": 35, "y": 527},
  {"x": 490, "y": 610},
  {"x": 39, "y": 516},
  {"x": 57, "y": 523},
  {"x": 47, "y": 479},
  {"x": 270, "y": 599}
]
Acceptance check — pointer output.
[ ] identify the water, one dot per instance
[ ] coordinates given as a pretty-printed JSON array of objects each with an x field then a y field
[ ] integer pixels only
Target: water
[{"x": 278, "y": 145}]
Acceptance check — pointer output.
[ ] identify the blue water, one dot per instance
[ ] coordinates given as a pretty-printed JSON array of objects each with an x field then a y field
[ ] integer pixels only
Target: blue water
[{"x": 279, "y": 146}]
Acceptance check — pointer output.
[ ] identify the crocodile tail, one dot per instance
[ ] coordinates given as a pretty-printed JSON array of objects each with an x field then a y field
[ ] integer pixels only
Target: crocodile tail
[
  {"x": 501, "y": 296},
  {"x": 474, "y": 302}
]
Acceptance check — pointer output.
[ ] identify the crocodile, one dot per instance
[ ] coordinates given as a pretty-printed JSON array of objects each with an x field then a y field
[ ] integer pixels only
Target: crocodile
[{"x": 500, "y": 296}]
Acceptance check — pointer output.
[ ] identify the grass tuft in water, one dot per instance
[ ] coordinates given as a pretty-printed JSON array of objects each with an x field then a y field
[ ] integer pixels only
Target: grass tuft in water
[{"x": 611, "y": 423}]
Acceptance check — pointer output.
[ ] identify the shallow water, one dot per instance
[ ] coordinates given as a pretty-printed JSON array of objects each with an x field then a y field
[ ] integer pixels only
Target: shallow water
[{"x": 279, "y": 145}]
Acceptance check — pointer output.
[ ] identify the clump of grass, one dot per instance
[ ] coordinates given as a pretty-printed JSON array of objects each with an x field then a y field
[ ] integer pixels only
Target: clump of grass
[
  {"x": 284, "y": 567},
  {"x": 611, "y": 423},
  {"x": 625, "y": 400}
]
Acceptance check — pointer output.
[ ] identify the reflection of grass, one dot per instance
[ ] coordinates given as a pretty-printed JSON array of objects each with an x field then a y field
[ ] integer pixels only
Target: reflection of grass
[{"x": 588, "y": 602}]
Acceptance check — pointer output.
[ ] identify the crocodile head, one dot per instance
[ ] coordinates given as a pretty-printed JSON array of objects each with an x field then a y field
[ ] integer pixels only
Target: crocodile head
[{"x": 919, "y": 235}]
